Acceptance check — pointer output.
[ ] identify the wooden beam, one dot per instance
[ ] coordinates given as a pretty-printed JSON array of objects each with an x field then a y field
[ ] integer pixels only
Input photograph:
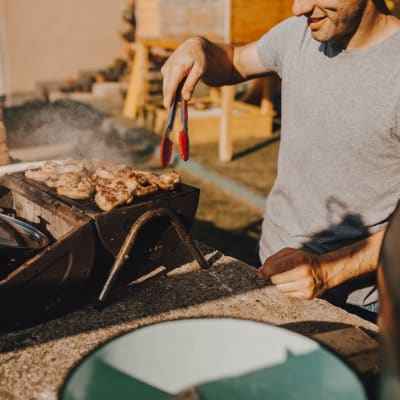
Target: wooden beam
[
  {"x": 225, "y": 138},
  {"x": 137, "y": 89},
  {"x": 4, "y": 156}
]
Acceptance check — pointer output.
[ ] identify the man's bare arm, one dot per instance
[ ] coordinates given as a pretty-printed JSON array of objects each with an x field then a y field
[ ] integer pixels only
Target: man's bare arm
[
  {"x": 302, "y": 275},
  {"x": 216, "y": 64}
]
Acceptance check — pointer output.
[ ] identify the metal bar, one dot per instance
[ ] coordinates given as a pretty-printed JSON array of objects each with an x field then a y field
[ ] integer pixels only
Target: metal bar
[
  {"x": 123, "y": 254},
  {"x": 184, "y": 235}
]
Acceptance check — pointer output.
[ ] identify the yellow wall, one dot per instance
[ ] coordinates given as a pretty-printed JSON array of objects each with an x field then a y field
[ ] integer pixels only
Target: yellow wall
[{"x": 45, "y": 40}]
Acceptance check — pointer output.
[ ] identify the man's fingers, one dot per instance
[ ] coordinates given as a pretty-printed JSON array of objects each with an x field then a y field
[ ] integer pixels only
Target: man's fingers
[
  {"x": 280, "y": 254},
  {"x": 167, "y": 92},
  {"x": 294, "y": 286},
  {"x": 297, "y": 295},
  {"x": 271, "y": 260},
  {"x": 292, "y": 275},
  {"x": 286, "y": 260},
  {"x": 287, "y": 287},
  {"x": 173, "y": 76},
  {"x": 276, "y": 266},
  {"x": 190, "y": 83},
  {"x": 188, "y": 62},
  {"x": 263, "y": 271}
]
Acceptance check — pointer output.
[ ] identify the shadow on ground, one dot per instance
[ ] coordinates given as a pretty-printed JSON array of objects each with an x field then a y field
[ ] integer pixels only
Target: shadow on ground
[{"x": 239, "y": 243}]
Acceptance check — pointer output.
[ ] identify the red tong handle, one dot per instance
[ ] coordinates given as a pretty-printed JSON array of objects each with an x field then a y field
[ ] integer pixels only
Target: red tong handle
[
  {"x": 183, "y": 134},
  {"x": 165, "y": 151},
  {"x": 184, "y": 145},
  {"x": 166, "y": 143}
]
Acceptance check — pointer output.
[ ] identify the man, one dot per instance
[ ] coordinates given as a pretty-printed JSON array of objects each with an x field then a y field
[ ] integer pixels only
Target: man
[{"x": 338, "y": 175}]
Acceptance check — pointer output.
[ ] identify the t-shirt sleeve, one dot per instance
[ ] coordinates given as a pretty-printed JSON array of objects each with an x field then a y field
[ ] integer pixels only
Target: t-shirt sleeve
[{"x": 273, "y": 45}]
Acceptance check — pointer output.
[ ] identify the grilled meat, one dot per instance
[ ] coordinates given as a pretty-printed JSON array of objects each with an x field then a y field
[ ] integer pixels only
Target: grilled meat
[{"x": 109, "y": 183}]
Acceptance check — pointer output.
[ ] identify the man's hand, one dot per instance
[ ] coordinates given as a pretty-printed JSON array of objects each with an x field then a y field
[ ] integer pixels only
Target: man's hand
[
  {"x": 187, "y": 61},
  {"x": 302, "y": 275},
  {"x": 216, "y": 64},
  {"x": 295, "y": 273}
]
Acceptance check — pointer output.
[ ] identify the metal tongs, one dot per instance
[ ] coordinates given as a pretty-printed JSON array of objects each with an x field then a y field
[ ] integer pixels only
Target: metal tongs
[
  {"x": 166, "y": 143},
  {"x": 17, "y": 235}
]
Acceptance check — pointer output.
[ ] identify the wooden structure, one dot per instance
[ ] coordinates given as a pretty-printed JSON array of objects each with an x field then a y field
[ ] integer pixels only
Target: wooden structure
[
  {"x": 230, "y": 21},
  {"x": 166, "y": 23},
  {"x": 248, "y": 121},
  {"x": 4, "y": 157}
]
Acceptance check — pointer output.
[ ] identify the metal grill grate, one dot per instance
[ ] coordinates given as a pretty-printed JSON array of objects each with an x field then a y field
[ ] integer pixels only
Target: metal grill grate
[{"x": 88, "y": 205}]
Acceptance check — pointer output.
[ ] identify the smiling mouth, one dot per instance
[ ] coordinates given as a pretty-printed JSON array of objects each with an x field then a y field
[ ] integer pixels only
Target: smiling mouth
[{"x": 315, "y": 22}]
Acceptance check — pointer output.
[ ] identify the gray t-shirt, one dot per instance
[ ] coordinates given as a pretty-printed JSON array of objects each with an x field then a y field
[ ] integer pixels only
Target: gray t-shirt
[{"x": 339, "y": 162}]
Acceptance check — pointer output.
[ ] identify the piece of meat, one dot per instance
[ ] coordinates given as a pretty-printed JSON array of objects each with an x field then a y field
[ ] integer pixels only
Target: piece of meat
[
  {"x": 165, "y": 181},
  {"x": 37, "y": 175},
  {"x": 75, "y": 193},
  {"x": 74, "y": 185},
  {"x": 176, "y": 178},
  {"x": 145, "y": 190},
  {"x": 107, "y": 200},
  {"x": 50, "y": 169}
]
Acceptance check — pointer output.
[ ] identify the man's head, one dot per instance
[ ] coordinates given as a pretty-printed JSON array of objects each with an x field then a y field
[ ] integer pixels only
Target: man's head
[{"x": 335, "y": 21}]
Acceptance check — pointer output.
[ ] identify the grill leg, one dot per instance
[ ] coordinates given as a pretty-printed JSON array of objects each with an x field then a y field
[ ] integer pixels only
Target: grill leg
[{"x": 130, "y": 239}]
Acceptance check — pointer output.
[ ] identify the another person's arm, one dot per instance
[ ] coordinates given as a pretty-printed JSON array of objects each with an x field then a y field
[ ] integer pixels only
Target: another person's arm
[
  {"x": 301, "y": 275},
  {"x": 216, "y": 64}
]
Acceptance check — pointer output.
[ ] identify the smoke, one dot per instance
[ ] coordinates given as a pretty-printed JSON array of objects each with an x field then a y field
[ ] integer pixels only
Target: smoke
[{"x": 68, "y": 129}]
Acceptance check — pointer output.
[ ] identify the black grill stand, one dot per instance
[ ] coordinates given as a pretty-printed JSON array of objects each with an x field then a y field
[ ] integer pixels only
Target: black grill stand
[{"x": 123, "y": 254}]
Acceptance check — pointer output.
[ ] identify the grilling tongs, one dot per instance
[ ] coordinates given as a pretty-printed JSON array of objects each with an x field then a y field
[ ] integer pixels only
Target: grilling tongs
[
  {"x": 17, "y": 236},
  {"x": 166, "y": 143}
]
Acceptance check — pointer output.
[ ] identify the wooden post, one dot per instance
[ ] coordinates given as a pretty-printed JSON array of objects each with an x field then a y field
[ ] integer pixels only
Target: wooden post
[
  {"x": 137, "y": 89},
  {"x": 267, "y": 95},
  {"x": 225, "y": 138},
  {"x": 4, "y": 157},
  {"x": 214, "y": 94}
]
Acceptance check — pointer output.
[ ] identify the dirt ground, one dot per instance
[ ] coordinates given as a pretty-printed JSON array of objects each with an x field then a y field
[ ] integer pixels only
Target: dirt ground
[
  {"x": 253, "y": 165},
  {"x": 222, "y": 221}
]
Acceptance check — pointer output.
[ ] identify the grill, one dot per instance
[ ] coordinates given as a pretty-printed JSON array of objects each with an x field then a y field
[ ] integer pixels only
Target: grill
[{"x": 89, "y": 247}]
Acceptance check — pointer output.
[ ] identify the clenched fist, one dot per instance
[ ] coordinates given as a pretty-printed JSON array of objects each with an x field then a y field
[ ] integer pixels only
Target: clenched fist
[{"x": 295, "y": 273}]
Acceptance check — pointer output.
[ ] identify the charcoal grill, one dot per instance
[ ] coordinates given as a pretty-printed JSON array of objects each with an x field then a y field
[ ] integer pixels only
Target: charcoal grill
[{"x": 53, "y": 280}]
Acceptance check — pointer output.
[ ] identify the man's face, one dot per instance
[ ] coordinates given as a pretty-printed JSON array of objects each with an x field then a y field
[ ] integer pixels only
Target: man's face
[{"x": 331, "y": 20}]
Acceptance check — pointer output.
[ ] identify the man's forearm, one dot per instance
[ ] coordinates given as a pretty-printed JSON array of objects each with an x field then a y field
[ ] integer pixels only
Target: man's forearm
[
  {"x": 302, "y": 275},
  {"x": 351, "y": 261},
  {"x": 216, "y": 64},
  {"x": 220, "y": 64}
]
